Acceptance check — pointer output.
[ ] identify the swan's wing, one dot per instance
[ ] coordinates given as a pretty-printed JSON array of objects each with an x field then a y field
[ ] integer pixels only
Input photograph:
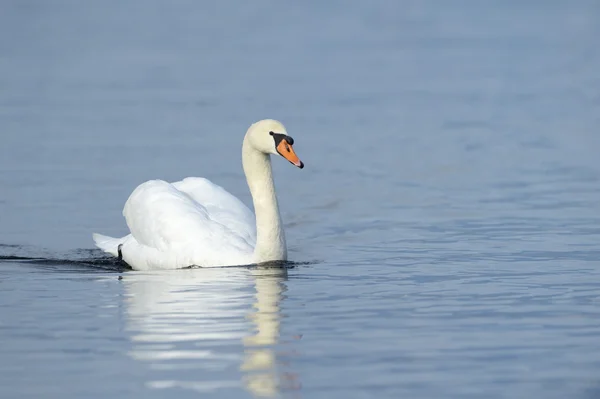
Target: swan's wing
[
  {"x": 221, "y": 205},
  {"x": 169, "y": 227}
]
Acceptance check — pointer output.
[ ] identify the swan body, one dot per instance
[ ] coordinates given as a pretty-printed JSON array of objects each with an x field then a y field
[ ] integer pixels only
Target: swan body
[{"x": 194, "y": 222}]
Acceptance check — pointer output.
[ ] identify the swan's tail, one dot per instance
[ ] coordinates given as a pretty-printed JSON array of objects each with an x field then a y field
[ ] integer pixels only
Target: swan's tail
[{"x": 108, "y": 244}]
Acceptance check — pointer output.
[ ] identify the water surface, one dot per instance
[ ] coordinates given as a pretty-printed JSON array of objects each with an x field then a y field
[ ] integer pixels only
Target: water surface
[{"x": 446, "y": 224}]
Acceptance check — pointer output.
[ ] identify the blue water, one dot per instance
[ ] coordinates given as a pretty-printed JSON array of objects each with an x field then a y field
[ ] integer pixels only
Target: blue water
[{"x": 445, "y": 229}]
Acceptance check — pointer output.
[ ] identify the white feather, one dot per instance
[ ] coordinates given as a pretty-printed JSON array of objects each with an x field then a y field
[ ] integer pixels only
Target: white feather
[{"x": 195, "y": 222}]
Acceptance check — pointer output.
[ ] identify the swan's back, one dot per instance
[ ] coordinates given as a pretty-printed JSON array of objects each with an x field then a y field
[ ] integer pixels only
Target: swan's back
[{"x": 222, "y": 206}]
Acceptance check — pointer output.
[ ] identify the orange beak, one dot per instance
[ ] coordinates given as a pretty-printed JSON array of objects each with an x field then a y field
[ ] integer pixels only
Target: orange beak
[{"x": 286, "y": 150}]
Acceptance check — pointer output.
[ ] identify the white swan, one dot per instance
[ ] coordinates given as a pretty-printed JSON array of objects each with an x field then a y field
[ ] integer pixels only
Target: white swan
[{"x": 194, "y": 222}]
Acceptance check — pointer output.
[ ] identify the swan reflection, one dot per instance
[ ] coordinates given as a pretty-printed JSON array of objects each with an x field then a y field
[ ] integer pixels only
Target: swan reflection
[{"x": 209, "y": 329}]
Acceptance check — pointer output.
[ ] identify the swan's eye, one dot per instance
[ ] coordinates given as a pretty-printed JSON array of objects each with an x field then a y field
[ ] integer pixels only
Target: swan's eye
[{"x": 271, "y": 133}]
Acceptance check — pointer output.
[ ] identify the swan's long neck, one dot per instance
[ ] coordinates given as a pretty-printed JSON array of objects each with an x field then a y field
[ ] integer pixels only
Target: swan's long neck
[{"x": 270, "y": 238}]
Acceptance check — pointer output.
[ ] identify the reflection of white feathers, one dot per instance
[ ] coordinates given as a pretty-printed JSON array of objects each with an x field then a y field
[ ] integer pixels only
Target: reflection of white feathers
[{"x": 191, "y": 324}]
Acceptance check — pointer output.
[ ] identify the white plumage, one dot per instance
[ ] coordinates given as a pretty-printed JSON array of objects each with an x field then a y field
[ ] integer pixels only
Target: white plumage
[{"x": 195, "y": 222}]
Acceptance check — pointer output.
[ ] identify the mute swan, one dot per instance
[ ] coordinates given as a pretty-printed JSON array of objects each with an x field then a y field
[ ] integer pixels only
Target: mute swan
[{"x": 194, "y": 222}]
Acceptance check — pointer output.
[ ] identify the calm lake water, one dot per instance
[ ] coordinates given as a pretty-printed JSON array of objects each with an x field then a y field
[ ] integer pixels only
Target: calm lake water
[{"x": 445, "y": 229}]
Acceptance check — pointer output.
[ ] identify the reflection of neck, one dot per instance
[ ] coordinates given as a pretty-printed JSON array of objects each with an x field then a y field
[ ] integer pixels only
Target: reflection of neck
[
  {"x": 266, "y": 315},
  {"x": 270, "y": 238},
  {"x": 259, "y": 358}
]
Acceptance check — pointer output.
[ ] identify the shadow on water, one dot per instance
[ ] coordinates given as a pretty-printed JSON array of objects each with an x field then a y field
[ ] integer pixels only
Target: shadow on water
[
  {"x": 79, "y": 260},
  {"x": 93, "y": 260}
]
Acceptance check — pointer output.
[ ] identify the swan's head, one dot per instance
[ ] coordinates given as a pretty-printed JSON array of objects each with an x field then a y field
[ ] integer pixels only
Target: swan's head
[{"x": 270, "y": 137}]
